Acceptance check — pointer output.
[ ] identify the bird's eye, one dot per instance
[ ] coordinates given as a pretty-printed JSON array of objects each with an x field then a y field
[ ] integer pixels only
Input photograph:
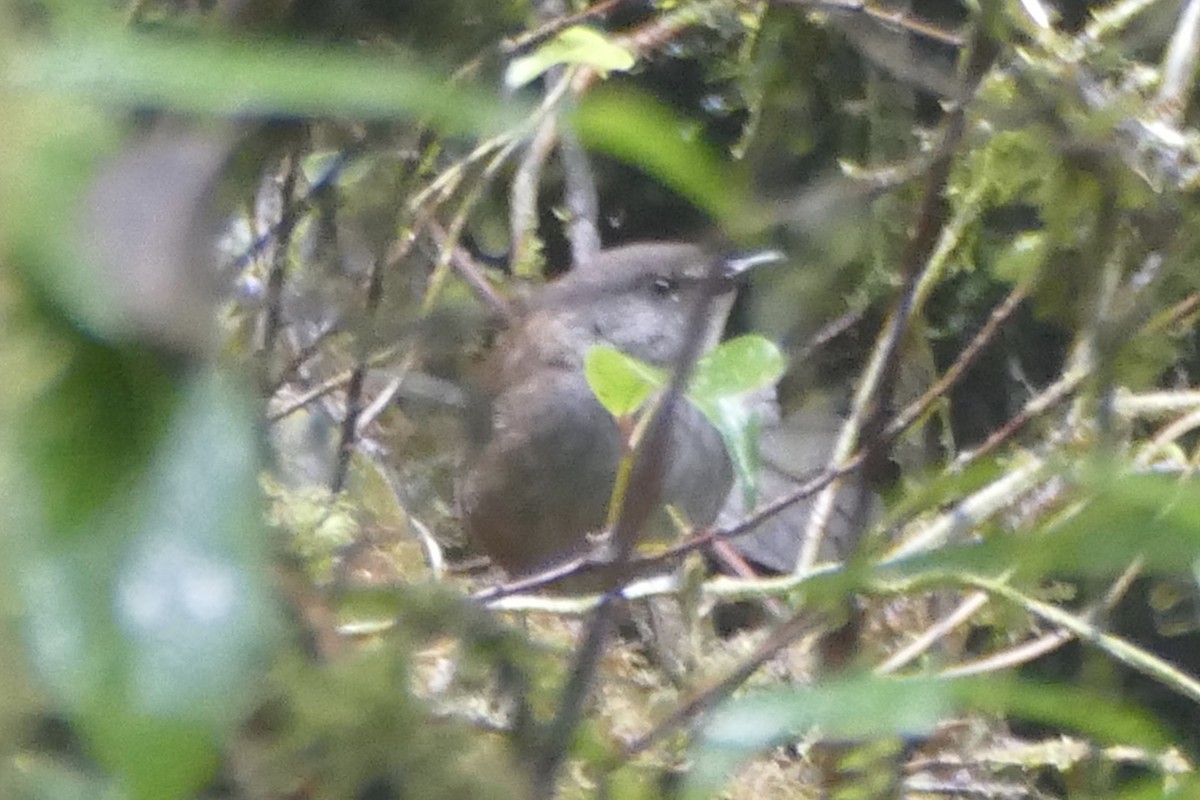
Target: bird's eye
[{"x": 665, "y": 287}]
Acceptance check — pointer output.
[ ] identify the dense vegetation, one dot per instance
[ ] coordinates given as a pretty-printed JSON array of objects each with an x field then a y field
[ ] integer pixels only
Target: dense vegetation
[{"x": 253, "y": 250}]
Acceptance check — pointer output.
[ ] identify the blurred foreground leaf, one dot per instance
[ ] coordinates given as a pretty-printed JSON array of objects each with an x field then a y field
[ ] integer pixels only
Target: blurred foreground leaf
[
  {"x": 257, "y": 78},
  {"x": 143, "y": 564},
  {"x": 1124, "y": 517},
  {"x": 868, "y": 706},
  {"x": 853, "y": 708}
]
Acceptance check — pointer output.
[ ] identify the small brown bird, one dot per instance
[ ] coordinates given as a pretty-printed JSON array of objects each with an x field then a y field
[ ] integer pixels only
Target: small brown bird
[
  {"x": 539, "y": 481},
  {"x": 539, "y": 478}
]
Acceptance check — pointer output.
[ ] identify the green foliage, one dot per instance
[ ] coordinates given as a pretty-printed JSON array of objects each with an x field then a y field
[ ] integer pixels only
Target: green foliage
[
  {"x": 575, "y": 45},
  {"x": 143, "y": 588},
  {"x": 720, "y": 384},
  {"x": 270, "y": 78},
  {"x": 143, "y": 570},
  {"x": 865, "y": 707},
  {"x": 851, "y": 708},
  {"x": 621, "y": 382}
]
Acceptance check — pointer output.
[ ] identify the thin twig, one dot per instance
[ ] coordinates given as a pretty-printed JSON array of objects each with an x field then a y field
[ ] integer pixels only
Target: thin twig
[
  {"x": 354, "y": 391},
  {"x": 289, "y": 214},
  {"x": 1119, "y": 649},
  {"x": 1028, "y": 651},
  {"x": 966, "y": 359},
  {"x": 554, "y": 26}
]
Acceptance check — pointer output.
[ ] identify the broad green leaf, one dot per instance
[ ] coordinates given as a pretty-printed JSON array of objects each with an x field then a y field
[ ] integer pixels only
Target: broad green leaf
[
  {"x": 852, "y": 708},
  {"x": 1107, "y": 719},
  {"x": 621, "y": 383},
  {"x": 252, "y": 78},
  {"x": 720, "y": 383},
  {"x": 736, "y": 367},
  {"x": 869, "y": 706},
  {"x": 55, "y": 148},
  {"x": 739, "y": 427},
  {"x": 719, "y": 388},
  {"x": 575, "y": 45},
  {"x": 143, "y": 566}
]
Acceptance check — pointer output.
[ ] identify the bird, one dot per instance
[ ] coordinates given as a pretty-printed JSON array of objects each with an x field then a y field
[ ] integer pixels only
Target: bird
[{"x": 537, "y": 479}]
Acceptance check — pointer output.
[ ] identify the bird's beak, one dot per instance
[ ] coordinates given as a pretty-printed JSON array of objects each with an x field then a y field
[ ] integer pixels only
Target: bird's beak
[{"x": 736, "y": 266}]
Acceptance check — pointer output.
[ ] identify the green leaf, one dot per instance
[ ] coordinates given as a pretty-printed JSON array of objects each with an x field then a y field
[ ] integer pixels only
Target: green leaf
[
  {"x": 55, "y": 150},
  {"x": 736, "y": 367},
  {"x": 852, "y": 708},
  {"x": 143, "y": 566},
  {"x": 620, "y": 382},
  {"x": 260, "y": 77},
  {"x": 575, "y": 45},
  {"x": 869, "y": 706},
  {"x": 1023, "y": 258},
  {"x": 719, "y": 386},
  {"x": 739, "y": 427}
]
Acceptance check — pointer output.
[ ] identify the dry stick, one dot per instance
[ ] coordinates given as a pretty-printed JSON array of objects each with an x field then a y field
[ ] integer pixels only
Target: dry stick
[
  {"x": 1027, "y": 651},
  {"x": 933, "y": 634},
  {"x": 1011, "y": 657},
  {"x": 580, "y": 189},
  {"x": 1167, "y": 435},
  {"x": 893, "y": 18},
  {"x": 523, "y": 195},
  {"x": 1173, "y": 315},
  {"x": 828, "y": 332},
  {"x": 1113, "y": 19},
  {"x": 289, "y": 214},
  {"x": 582, "y": 200},
  {"x": 1179, "y": 65},
  {"x": 302, "y": 356},
  {"x": 1059, "y": 391},
  {"x": 636, "y": 507},
  {"x": 470, "y": 273},
  {"x": 1119, "y": 649},
  {"x": 354, "y": 391},
  {"x": 966, "y": 359},
  {"x": 331, "y": 384}
]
